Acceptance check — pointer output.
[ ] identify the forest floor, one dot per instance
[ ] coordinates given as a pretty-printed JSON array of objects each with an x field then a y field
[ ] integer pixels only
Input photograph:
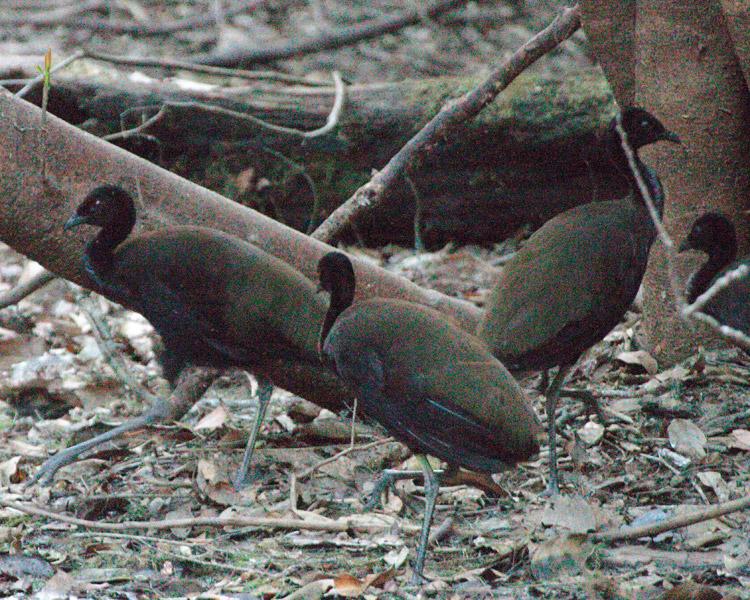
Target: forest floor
[{"x": 672, "y": 441}]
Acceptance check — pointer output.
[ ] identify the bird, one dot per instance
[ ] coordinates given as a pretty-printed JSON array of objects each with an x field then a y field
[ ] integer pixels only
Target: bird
[
  {"x": 215, "y": 300},
  {"x": 429, "y": 383},
  {"x": 575, "y": 277},
  {"x": 714, "y": 234}
]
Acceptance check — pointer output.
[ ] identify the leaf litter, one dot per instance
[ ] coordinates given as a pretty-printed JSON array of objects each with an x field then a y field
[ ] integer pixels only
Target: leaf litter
[{"x": 672, "y": 442}]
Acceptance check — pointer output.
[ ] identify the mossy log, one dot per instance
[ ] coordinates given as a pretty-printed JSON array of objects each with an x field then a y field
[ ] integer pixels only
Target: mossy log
[{"x": 530, "y": 155}]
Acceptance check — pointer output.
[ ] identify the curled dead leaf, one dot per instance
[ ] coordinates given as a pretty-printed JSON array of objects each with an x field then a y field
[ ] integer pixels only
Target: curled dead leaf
[
  {"x": 348, "y": 586},
  {"x": 740, "y": 439},
  {"x": 213, "y": 420},
  {"x": 640, "y": 358},
  {"x": 687, "y": 438},
  {"x": 562, "y": 555}
]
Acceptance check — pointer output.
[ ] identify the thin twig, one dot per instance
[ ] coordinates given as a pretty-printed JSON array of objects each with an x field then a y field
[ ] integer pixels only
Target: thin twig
[
  {"x": 310, "y": 470},
  {"x": 331, "y": 121},
  {"x": 111, "y": 355},
  {"x": 642, "y": 187},
  {"x": 71, "y": 17},
  {"x": 318, "y": 524},
  {"x": 710, "y": 512},
  {"x": 126, "y": 133},
  {"x": 375, "y": 192},
  {"x": 18, "y": 293},
  {"x": 40, "y": 78},
  {"x": 684, "y": 309},
  {"x": 740, "y": 272},
  {"x": 172, "y": 64},
  {"x": 56, "y": 16},
  {"x": 677, "y": 293},
  {"x": 694, "y": 310}
]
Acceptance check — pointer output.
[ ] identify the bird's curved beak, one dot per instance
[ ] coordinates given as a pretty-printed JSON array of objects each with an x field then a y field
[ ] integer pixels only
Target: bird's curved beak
[
  {"x": 672, "y": 137},
  {"x": 684, "y": 247}
]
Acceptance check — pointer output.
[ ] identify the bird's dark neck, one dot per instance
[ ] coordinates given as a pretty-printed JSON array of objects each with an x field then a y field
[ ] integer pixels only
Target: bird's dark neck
[
  {"x": 616, "y": 154},
  {"x": 342, "y": 296},
  {"x": 99, "y": 255},
  {"x": 718, "y": 258},
  {"x": 653, "y": 184}
]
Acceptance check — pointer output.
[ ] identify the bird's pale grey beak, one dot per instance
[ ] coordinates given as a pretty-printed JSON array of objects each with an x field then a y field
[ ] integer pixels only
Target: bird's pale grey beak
[{"x": 74, "y": 221}]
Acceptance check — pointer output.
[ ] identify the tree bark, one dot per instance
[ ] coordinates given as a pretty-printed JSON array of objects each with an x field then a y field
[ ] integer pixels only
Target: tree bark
[{"x": 36, "y": 199}]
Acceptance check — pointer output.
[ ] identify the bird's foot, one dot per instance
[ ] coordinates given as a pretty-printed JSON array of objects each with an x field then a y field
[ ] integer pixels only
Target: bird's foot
[
  {"x": 387, "y": 478},
  {"x": 552, "y": 490},
  {"x": 418, "y": 579}
]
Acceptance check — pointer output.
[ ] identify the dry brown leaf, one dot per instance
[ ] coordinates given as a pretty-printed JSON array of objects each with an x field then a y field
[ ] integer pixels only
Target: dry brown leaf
[
  {"x": 740, "y": 439},
  {"x": 640, "y": 358},
  {"x": 377, "y": 580},
  {"x": 183, "y": 512},
  {"x": 24, "y": 448},
  {"x": 312, "y": 591},
  {"x": 348, "y": 586},
  {"x": 215, "y": 484},
  {"x": 690, "y": 590},
  {"x": 9, "y": 470},
  {"x": 333, "y": 429},
  {"x": 397, "y": 557},
  {"x": 715, "y": 481},
  {"x": 562, "y": 555},
  {"x": 687, "y": 438},
  {"x": 59, "y": 586},
  {"x": 572, "y": 513},
  {"x": 677, "y": 373},
  {"x": 213, "y": 420},
  {"x": 591, "y": 433}
]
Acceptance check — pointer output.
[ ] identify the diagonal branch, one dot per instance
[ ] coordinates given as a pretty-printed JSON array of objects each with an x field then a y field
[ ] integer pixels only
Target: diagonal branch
[
  {"x": 709, "y": 512},
  {"x": 376, "y": 191},
  {"x": 329, "y": 40}
]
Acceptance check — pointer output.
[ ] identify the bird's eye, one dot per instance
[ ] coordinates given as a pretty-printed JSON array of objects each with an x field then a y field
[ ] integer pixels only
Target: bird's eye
[{"x": 644, "y": 124}]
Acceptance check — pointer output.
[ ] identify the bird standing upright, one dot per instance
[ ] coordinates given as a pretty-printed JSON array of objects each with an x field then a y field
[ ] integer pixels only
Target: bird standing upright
[
  {"x": 575, "y": 277},
  {"x": 433, "y": 386},
  {"x": 214, "y": 299}
]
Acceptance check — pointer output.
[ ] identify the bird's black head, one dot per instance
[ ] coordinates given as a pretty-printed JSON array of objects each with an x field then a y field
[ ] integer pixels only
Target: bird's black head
[
  {"x": 108, "y": 206},
  {"x": 643, "y": 128},
  {"x": 710, "y": 233},
  {"x": 336, "y": 276},
  {"x": 335, "y": 273}
]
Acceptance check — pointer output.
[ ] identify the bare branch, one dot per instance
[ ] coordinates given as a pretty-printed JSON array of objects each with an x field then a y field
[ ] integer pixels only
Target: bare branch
[
  {"x": 329, "y": 40},
  {"x": 313, "y": 523},
  {"x": 710, "y": 512},
  {"x": 20, "y": 292},
  {"x": 183, "y": 65},
  {"x": 455, "y": 112}
]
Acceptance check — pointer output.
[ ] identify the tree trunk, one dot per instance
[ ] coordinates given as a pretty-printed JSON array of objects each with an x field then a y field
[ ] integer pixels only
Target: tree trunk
[
  {"x": 37, "y": 198},
  {"x": 685, "y": 71}
]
